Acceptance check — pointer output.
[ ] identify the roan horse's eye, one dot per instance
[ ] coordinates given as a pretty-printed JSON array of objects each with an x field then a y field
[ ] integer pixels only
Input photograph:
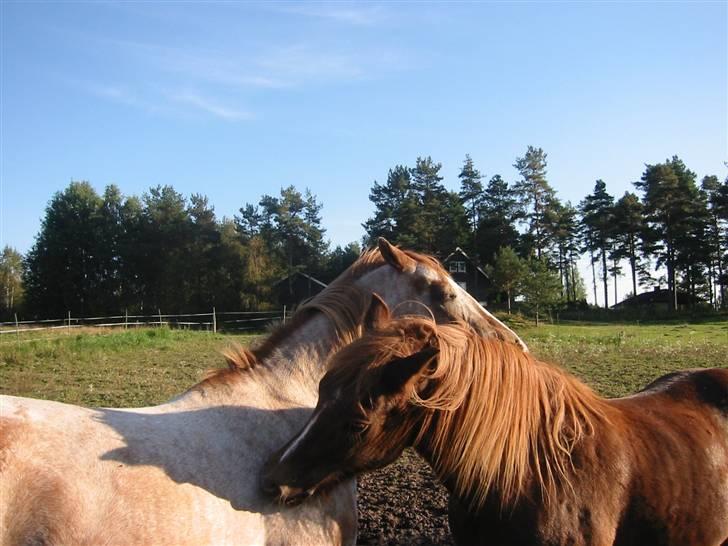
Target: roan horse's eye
[{"x": 440, "y": 293}]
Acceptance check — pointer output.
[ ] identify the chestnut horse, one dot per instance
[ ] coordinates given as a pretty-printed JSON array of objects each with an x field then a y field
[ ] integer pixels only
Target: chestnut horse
[
  {"x": 186, "y": 472},
  {"x": 529, "y": 454}
]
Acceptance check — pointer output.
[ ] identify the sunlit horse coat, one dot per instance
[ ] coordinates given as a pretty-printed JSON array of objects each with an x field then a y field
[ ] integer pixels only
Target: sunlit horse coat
[{"x": 186, "y": 472}]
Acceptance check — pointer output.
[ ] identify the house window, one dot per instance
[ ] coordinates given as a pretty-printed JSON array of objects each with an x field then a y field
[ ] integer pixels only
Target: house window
[
  {"x": 463, "y": 285},
  {"x": 461, "y": 267},
  {"x": 457, "y": 267}
]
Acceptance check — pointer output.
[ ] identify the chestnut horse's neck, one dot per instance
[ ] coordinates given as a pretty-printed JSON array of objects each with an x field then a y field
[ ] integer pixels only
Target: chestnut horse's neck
[{"x": 498, "y": 423}]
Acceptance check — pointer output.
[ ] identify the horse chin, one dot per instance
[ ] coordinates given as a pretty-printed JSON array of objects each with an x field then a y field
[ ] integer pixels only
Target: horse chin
[
  {"x": 291, "y": 496},
  {"x": 294, "y": 497}
]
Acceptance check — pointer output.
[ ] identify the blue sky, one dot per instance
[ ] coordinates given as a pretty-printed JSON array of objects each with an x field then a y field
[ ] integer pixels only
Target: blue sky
[{"x": 234, "y": 100}]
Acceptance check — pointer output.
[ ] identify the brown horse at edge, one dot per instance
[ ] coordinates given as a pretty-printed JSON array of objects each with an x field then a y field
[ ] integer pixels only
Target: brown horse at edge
[{"x": 530, "y": 455}]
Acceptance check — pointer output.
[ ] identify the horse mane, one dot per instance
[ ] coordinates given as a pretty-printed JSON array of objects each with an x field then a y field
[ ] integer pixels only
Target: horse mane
[
  {"x": 498, "y": 420},
  {"x": 341, "y": 302},
  {"x": 504, "y": 417}
]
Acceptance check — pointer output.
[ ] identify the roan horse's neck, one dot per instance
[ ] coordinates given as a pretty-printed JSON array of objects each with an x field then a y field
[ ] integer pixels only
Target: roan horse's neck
[
  {"x": 512, "y": 431},
  {"x": 285, "y": 369},
  {"x": 286, "y": 374}
]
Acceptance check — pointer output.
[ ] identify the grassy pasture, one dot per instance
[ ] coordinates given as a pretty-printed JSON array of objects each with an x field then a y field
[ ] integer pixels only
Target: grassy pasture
[
  {"x": 149, "y": 366},
  {"x": 98, "y": 367}
]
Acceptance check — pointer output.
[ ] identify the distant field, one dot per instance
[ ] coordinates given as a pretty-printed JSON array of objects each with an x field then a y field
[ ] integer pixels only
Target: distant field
[
  {"x": 149, "y": 366},
  {"x": 111, "y": 368}
]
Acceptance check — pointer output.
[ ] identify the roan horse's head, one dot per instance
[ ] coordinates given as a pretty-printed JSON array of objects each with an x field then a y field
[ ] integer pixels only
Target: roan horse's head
[
  {"x": 415, "y": 281},
  {"x": 364, "y": 418}
]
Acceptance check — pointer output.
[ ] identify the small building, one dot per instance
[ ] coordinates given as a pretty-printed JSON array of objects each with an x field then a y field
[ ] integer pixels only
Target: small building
[
  {"x": 658, "y": 299},
  {"x": 468, "y": 274},
  {"x": 296, "y": 288}
]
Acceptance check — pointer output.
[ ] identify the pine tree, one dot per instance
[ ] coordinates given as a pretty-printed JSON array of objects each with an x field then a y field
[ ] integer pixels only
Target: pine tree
[
  {"x": 597, "y": 219},
  {"x": 61, "y": 272},
  {"x": 628, "y": 232},
  {"x": 499, "y": 210},
  {"x": 535, "y": 196},
  {"x": 432, "y": 198},
  {"x": 672, "y": 204},
  {"x": 396, "y": 207},
  {"x": 291, "y": 225},
  {"x": 471, "y": 195},
  {"x": 564, "y": 230}
]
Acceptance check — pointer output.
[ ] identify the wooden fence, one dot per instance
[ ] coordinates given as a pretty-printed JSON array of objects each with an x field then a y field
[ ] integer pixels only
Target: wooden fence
[{"x": 214, "y": 321}]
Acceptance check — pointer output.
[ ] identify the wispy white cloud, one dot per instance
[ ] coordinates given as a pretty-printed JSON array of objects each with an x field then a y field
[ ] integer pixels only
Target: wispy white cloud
[
  {"x": 210, "y": 106},
  {"x": 276, "y": 67},
  {"x": 345, "y": 13},
  {"x": 154, "y": 100},
  {"x": 300, "y": 64},
  {"x": 183, "y": 79}
]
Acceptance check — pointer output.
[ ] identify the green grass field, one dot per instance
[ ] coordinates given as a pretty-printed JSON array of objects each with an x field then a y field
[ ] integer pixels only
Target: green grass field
[{"x": 149, "y": 366}]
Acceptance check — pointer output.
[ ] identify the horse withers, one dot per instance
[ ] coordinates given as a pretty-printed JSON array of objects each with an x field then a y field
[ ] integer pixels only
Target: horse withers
[{"x": 529, "y": 454}]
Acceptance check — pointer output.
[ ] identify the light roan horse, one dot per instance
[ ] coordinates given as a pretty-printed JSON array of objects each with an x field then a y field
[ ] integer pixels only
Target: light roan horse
[
  {"x": 187, "y": 471},
  {"x": 529, "y": 454}
]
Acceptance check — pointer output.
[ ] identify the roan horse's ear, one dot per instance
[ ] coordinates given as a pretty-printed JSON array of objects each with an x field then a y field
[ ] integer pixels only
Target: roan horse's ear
[
  {"x": 378, "y": 313},
  {"x": 397, "y": 373},
  {"x": 395, "y": 257}
]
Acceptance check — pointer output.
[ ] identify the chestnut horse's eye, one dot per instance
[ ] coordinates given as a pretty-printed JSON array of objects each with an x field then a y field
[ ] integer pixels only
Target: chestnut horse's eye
[{"x": 357, "y": 427}]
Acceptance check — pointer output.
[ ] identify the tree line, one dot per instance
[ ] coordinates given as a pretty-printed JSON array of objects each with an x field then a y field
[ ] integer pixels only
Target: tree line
[
  {"x": 675, "y": 234},
  {"x": 100, "y": 254}
]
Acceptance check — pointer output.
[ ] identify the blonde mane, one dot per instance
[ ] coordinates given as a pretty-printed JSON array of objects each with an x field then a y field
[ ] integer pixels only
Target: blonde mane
[{"x": 497, "y": 419}]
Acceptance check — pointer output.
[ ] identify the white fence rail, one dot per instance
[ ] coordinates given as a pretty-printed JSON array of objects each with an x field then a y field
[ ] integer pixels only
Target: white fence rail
[{"x": 213, "y": 321}]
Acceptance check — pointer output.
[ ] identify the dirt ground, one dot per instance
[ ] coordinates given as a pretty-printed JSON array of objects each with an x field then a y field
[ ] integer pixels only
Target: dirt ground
[{"x": 403, "y": 505}]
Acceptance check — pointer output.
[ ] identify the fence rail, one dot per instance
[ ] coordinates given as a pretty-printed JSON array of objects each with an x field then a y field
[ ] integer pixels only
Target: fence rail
[{"x": 213, "y": 321}]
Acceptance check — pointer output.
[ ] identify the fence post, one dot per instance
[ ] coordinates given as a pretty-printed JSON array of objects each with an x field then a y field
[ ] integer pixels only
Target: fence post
[
  {"x": 214, "y": 321},
  {"x": 159, "y": 312},
  {"x": 284, "y": 314},
  {"x": 126, "y": 319},
  {"x": 68, "y": 329},
  {"x": 17, "y": 327}
]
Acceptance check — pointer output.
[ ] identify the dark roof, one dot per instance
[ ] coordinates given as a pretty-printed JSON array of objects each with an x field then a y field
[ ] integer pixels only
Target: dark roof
[
  {"x": 459, "y": 250},
  {"x": 304, "y": 275},
  {"x": 659, "y": 295}
]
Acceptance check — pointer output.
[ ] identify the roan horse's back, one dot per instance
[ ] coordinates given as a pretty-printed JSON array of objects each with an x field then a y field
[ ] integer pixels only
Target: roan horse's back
[{"x": 75, "y": 476}]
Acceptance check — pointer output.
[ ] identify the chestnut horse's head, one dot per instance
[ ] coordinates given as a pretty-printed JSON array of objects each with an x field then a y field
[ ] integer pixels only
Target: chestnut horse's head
[{"x": 364, "y": 418}]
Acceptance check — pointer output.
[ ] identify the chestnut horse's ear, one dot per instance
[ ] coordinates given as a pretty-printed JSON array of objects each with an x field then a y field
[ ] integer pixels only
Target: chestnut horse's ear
[
  {"x": 378, "y": 313},
  {"x": 397, "y": 373},
  {"x": 395, "y": 257}
]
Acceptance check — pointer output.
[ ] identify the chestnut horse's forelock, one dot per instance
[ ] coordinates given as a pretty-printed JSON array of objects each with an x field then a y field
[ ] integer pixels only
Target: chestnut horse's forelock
[{"x": 521, "y": 417}]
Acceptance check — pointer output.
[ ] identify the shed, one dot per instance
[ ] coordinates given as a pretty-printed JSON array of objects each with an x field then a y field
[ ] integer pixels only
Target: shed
[
  {"x": 468, "y": 274},
  {"x": 296, "y": 288},
  {"x": 657, "y": 299}
]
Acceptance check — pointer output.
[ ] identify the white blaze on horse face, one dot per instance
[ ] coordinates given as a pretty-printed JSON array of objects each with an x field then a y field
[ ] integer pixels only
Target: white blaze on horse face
[{"x": 298, "y": 439}]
